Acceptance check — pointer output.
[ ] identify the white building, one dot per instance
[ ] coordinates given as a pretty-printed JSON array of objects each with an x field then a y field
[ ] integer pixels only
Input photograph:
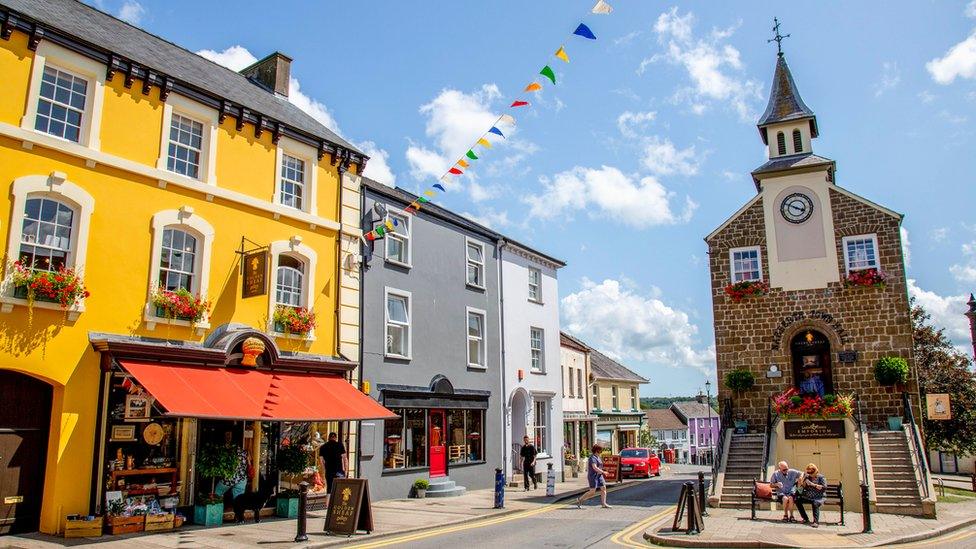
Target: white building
[{"x": 531, "y": 374}]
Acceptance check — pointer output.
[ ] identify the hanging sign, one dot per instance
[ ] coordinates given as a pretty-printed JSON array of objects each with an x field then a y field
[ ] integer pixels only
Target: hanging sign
[
  {"x": 937, "y": 406},
  {"x": 349, "y": 508},
  {"x": 804, "y": 430},
  {"x": 255, "y": 273}
]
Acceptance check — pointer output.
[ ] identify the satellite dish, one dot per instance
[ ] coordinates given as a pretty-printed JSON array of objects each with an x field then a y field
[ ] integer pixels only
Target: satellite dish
[{"x": 379, "y": 209}]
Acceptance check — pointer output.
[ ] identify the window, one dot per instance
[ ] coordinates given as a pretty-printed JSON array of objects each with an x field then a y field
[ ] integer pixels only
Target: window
[
  {"x": 405, "y": 437},
  {"x": 797, "y": 142},
  {"x": 860, "y": 252},
  {"x": 398, "y": 241},
  {"x": 476, "y": 264},
  {"x": 633, "y": 399},
  {"x": 185, "y": 146},
  {"x": 476, "y": 338},
  {"x": 535, "y": 285},
  {"x": 397, "y": 324},
  {"x": 61, "y": 104},
  {"x": 289, "y": 281},
  {"x": 177, "y": 263},
  {"x": 45, "y": 239},
  {"x": 701, "y": 439},
  {"x": 746, "y": 264},
  {"x": 615, "y": 401},
  {"x": 579, "y": 383},
  {"x": 540, "y": 429},
  {"x": 415, "y": 437},
  {"x": 675, "y": 435},
  {"x": 781, "y": 143},
  {"x": 569, "y": 380},
  {"x": 464, "y": 429},
  {"x": 292, "y": 184},
  {"x": 596, "y": 397},
  {"x": 684, "y": 435},
  {"x": 536, "y": 337}
]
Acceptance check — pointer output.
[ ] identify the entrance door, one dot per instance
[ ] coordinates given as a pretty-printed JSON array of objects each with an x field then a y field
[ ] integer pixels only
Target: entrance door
[
  {"x": 25, "y": 417},
  {"x": 812, "y": 371},
  {"x": 438, "y": 450},
  {"x": 947, "y": 463}
]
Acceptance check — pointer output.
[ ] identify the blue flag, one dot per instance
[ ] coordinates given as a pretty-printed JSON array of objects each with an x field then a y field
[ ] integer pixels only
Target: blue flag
[
  {"x": 439, "y": 187},
  {"x": 584, "y": 31},
  {"x": 496, "y": 131}
]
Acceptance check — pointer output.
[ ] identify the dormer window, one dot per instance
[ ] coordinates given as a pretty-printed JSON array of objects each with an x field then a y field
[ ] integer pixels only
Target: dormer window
[
  {"x": 781, "y": 143},
  {"x": 797, "y": 142}
]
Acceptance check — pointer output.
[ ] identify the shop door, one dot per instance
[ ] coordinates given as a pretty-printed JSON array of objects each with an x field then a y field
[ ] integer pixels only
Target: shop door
[
  {"x": 25, "y": 416},
  {"x": 438, "y": 451}
]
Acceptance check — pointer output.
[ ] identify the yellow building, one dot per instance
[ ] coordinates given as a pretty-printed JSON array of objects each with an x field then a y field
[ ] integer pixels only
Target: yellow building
[
  {"x": 615, "y": 401},
  {"x": 139, "y": 165}
]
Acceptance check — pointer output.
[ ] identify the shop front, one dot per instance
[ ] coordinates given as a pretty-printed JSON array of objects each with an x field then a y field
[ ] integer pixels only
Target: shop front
[
  {"x": 185, "y": 426},
  {"x": 578, "y": 437},
  {"x": 616, "y": 431}
]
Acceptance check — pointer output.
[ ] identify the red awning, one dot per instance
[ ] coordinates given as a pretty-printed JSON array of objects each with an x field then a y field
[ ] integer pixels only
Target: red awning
[{"x": 238, "y": 393}]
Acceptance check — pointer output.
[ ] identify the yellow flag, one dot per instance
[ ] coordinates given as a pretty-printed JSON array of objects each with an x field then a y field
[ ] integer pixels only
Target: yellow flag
[
  {"x": 561, "y": 53},
  {"x": 535, "y": 86},
  {"x": 389, "y": 224},
  {"x": 429, "y": 193},
  {"x": 463, "y": 163},
  {"x": 484, "y": 143}
]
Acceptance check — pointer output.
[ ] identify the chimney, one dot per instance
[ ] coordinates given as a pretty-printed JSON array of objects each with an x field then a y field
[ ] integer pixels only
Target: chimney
[{"x": 271, "y": 73}]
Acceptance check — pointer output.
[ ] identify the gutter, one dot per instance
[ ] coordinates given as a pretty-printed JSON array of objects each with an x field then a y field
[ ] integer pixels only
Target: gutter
[{"x": 502, "y": 369}]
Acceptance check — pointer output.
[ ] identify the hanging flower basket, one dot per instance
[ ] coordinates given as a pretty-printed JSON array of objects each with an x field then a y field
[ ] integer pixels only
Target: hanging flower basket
[
  {"x": 746, "y": 289},
  {"x": 179, "y": 305},
  {"x": 792, "y": 405},
  {"x": 293, "y": 320},
  {"x": 64, "y": 286},
  {"x": 866, "y": 278}
]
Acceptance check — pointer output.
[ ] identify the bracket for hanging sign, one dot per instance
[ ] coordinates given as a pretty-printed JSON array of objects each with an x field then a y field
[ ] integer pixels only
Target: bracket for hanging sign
[{"x": 254, "y": 269}]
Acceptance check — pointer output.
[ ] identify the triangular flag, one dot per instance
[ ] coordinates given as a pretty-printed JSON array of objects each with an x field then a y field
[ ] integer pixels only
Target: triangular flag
[
  {"x": 370, "y": 236},
  {"x": 496, "y": 131},
  {"x": 602, "y": 8},
  {"x": 535, "y": 86},
  {"x": 455, "y": 171},
  {"x": 395, "y": 222},
  {"x": 484, "y": 143},
  {"x": 422, "y": 199},
  {"x": 518, "y": 104},
  {"x": 429, "y": 193},
  {"x": 507, "y": 119},
  {"x": 463, "y": 163},
  {"x": 380, "y": 230},
  {"x": 584, "y": 31},
  {"x": 561, "y": 53},
  {"x": 547, "y": 72},
  {"x": 471, "y": 155},
  {"x": 439, "y": 187},
  {"x": 389, "y": 225}
]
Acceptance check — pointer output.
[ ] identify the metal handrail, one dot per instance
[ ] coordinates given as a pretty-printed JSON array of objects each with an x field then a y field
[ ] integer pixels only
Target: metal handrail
[
  {"x": 724, "y": 423},
  {"x": 920, "y": 462},
  {"x": 769, "y": 433},
  {"x": 861, "y": 434}
]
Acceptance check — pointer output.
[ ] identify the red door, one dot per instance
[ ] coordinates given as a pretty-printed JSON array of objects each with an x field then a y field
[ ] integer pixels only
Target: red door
[{"x": 438, "y": 450}]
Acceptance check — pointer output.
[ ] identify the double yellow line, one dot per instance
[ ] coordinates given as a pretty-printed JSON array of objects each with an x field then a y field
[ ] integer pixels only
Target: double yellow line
[
  {"x": 625, "y": 537},
  {"x": 955, "y": 536}
]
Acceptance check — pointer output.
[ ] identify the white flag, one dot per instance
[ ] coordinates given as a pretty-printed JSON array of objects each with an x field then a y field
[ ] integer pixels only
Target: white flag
[
  {"x": 602, "y": 7},
  {"x": 507, "y": 119}
]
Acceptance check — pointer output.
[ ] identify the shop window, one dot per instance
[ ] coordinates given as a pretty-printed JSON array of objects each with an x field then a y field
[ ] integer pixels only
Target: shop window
[
  {"x": 397, "y": 323},
  {"x": 538, "y": 361},
  {"x": 861, "y": 252},
  {"x": 535, "y": 285},
  {"x": 398, "y": 242},
  {"x": 393, "y": 456},
  {"x": 476, "y": 338},
  {"x": 416, "y": 438},
  {"x": 746, "y": 264},
  {"x": 476, "y": 264},
  {"x": 464, "y": 429},
  {"x": 45, "y": 240},
  {"x": 405, "y": 441},
  {"x": 541, "y": 427}
]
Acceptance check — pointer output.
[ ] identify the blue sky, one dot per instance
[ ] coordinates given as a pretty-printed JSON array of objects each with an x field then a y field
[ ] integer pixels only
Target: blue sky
[{"x": 646, "y": 143}]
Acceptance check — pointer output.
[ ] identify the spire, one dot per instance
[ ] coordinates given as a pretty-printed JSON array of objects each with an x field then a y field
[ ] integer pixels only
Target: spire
[{"x": 785, "y": 103}]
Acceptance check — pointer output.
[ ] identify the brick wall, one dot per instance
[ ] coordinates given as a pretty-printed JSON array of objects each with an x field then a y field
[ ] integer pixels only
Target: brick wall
[{"x": 756, "y": 332}]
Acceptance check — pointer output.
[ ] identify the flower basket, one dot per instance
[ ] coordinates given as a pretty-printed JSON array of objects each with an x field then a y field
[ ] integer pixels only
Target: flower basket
[
  {"x": 792, "y": 405},
  {"x": 179, "y": 305},
  {"x": 64, "y": 286},
  {"x": 746, "y": 289},
  {"x": 293, "y": 320},
  {"x": 866, "y": 278}
]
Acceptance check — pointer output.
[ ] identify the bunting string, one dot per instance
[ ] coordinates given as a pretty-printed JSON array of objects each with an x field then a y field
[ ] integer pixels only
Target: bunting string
[{"x": 505, "y": 120}]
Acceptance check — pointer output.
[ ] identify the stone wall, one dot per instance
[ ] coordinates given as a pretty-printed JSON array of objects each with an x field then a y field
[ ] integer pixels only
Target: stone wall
[{"x": 756, "y": 332}]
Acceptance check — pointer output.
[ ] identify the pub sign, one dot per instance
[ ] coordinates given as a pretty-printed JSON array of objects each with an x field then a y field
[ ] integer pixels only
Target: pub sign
[
  {"x": 937, "y": 406},
  {"x": 255, "y": 273},
  {"x": 814, "y": 428}
]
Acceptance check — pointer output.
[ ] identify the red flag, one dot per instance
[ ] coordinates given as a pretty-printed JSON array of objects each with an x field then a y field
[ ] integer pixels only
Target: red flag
[
  {"x": 455, "y": 171},
  {"x": 519, "y": 104},
  {"x": 370, "y": 236}
]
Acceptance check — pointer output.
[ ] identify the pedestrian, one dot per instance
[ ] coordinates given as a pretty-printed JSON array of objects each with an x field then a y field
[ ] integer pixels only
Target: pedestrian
[
  {"x": 784, "y": 480},
  {"x": 596, "y": 479},
  {"x": 528, "y": 453},
  {"x": 334, "y": 460},
  {"x": 811, "y": 486}
]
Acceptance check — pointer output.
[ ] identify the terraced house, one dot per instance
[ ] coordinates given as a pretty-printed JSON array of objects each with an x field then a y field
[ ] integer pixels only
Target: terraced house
[{"x": 215, "y": 227}]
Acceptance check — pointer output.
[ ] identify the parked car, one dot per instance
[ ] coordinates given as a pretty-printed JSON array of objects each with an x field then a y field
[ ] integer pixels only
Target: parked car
[{"x": 639, "y": 462}]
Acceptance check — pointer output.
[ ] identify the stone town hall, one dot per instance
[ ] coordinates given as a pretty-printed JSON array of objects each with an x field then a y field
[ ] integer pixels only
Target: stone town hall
[{"x": 813, "y": 253}]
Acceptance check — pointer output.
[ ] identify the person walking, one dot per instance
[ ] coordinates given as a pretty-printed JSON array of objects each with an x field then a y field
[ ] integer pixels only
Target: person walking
[
  {"x": 811, "y": 486},
  {"x": 528, "y": 453},
  {"x": 596, "y": 479},
  {"x": 784, "y": 480},
  {"x": 334, "y": 460}
]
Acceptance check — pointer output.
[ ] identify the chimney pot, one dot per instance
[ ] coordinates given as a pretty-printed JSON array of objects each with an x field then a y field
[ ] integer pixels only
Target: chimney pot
[{"x": 273, "y": 72}]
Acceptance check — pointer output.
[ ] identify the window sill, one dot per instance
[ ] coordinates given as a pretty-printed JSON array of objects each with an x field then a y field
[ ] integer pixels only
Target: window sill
[
  {"x": 397, "y": 357},
  {"x": 152, "y": 320},
  {"x": 309, "y": 337},
  {"x": 474, "y": 286},
  {"x": 398, "y": 263},
  {"x": 538, "y": 372},
  {"x": 536, "y": 301},
  {"x": 465, "y": 464},
  {"x": 7, "y": 304},
  {"x": 476, "y": 367},
  {"x": 404, "y": 470}
]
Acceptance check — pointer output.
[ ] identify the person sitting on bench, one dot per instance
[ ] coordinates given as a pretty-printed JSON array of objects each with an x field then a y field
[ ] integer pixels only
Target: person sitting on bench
[
  {"x": 784, "y": 480},
  {"x": 812, "y": 487}
]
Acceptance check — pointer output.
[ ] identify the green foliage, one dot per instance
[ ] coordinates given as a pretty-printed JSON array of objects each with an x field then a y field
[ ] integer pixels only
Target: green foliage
[
  {"x": 739, "y": 380},
  {"x": 646, "y": 440},
  {"x": 292, "y": 459},
  {"x": 421, "y": 484},
  {"x": 889, "y": 370},
  {"x": 217, "y": 461},
  {"x": 659, "y": 403}
]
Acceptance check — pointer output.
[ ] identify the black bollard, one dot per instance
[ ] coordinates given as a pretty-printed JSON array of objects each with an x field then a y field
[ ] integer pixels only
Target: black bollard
[
  {"x": 302, "y": 512},
  {"x": 701, "y": 493},
  {"x": 690, "y": 506},
  {"x": 499, "y": 488},
  {"x": 865, "y": 509}
]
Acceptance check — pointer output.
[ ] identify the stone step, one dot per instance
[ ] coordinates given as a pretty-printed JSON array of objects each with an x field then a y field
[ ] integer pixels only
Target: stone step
[
  {"x": 875, "y": 446},
  {"x": 899, "y": 500},
  {"x": 453, "y": 492},
  {"x": 897, "y": 491},
  {"x": 893, "y": 458},
  {"x": 901, "y": 466},
  {"x": 910, "y": 509},
  {"x": 887, "y": 452},
  {"x": 441, "y": 485}
]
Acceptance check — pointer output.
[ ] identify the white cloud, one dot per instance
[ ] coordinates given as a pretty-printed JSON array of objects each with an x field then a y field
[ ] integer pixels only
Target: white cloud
[
  {"x": 966, "y": 272},
  {"x": 713, "y": 66},
  {"x": 959, "y": 61},
  {"x": 926, "y": 96},
  {"x": 906, "y": 247},
  {"x": 639, "y": 203},
  {"x": 629, "y": 122},
  {"x": 947, "y": 312},
  {"x": 316, "y": 109},
  {"x": 378, "y": 167},
  {"x": 952, "y": 118},
  {"x": 616, "y": 318},
  {"x": 890, "y": 77},
  {"x": 131, "y": 12},
  {"x": 489, "y": 217},
  {"x": 940, "y": 234},
  {"x": 661, "y": 157},
  {"x": 234, "y": 58},
  {"x": 971, "y": 9}
]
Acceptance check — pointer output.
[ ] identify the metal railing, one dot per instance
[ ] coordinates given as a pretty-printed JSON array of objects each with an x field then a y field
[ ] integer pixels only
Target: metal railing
[
  {"x": 769, "y": 433},
  {"x": 725, "y": 423},
  {"x": 921, "y": 464},
  {"x": 862, "y": 432}
]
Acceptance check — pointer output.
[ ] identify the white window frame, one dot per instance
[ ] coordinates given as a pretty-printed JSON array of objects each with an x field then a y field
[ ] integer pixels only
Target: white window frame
[
  {"x": 468, "y": 337},
  {"x": 545, "y": 425},
  {"x": 634, "y": 399},
  {"x": 185, "y": 220},
  {"x": 873, "y": 237},
  {"x": 595, "y": 396},
  {"x": 538, "y": 285},
  {"x": 402, "y": 234},
  {"x": 290, "y": 290},
  {"x": 56, "y": 187},
  {"x": 579, "y": 383},
  {"x": 469, "y": 261},
  {"x": 308, "y": 155},
  {"x": 614, "y": 398},
  {"x": 742, "y": 249},
  {"x": 542, "y": 350},
  {"x": 188, "y": 108},
  {"x": 292, "y": 247},
  {"x": 568, "y": 388},
  {"x": 387, "y": 292},
  {"x": 59, "y": 58}
]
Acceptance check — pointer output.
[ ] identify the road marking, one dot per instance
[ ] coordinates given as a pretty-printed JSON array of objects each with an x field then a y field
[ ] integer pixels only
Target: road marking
[
  {"x": 956, "y": 536},
  {"x": 624, "y": 537}
]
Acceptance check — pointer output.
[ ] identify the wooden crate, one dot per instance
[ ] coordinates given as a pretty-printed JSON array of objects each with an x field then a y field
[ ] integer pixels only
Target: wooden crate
[
  {"x": 74, "y": 528},
  {"x": 125, "y": 525},
  {"x": 155, "y": 523}
]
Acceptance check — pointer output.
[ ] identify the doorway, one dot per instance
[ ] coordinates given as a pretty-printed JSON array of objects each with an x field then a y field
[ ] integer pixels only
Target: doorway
[
  {"x": 438, "y": 449},
  {"x": 812, "y": 373},
  {"x": 25, "y": 418}
]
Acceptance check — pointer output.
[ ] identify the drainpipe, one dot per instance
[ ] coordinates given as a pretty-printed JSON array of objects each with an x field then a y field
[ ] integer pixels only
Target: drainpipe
[
  {"x": 362, "y": 317},
  {"x": 503, "y": 369},
  {"x": 338, "y": 255}
]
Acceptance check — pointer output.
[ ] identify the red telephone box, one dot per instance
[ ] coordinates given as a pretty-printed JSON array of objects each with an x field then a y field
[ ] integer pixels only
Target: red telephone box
[{"x": 438, "y": 449}]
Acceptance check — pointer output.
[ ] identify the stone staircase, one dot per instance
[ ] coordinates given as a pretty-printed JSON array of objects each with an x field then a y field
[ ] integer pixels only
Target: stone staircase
[
  {"x": 744, "y": 464},
  {"x": 893, "y": 474},
  {"x": 444, "y": 487}
]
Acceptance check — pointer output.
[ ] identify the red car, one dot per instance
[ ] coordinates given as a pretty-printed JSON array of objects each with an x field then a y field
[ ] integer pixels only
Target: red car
[{"x": 639, "y": 462}]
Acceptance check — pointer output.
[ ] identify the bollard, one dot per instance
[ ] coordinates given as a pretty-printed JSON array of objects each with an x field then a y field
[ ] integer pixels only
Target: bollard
[
  {"x": 499, "y": 488},
  {"x": 690, "y": 507},
  {"x": 865, "y": 509},
  {"x": 701, "y": 493},
  {"x": 550, "y": 481},
  {"x": 302, "y": 512}
]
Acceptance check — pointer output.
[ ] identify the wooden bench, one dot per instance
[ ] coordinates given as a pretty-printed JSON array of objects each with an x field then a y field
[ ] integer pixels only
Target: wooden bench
[{"x": 833, "y": 495}]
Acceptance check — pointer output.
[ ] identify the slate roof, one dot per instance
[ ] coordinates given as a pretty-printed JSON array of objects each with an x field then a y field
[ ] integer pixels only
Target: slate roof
[
  {"x": 663, "y": 419},
  {"x": 785, "y": 103},
  {"x": 802, "y": 160},
  {"x": 570, "y": 341},
  {"x": 604, "y": 367},
  {"x": 105, "y": 32},
  {"x": 692, "y": 409}
]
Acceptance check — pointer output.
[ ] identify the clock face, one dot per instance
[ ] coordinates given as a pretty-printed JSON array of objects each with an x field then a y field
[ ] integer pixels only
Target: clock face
[{"x": 796, "y": 208}]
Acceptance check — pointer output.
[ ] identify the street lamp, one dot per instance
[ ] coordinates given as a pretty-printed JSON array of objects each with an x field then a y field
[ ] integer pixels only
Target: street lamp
[{"x": 708, "y": 404}]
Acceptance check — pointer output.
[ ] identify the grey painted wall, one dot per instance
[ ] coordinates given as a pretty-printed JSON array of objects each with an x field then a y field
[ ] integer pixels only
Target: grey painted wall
[{"x": 439, "y": 295}]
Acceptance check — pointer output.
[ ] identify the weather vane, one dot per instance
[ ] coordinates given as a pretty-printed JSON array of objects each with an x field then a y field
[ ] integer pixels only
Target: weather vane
[{"x": 778, "y": 38}]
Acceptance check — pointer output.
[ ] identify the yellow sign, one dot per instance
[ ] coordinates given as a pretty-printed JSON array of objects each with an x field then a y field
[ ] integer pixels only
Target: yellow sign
[
  {"x": 937, "y": 405},
  {"x": 10, "y": 500}
]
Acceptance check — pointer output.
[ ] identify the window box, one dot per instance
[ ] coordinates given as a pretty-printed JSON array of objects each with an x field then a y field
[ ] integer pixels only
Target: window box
[
  {"x": 293, "y": 320},
  {"x": 179, "y": 304},
  {"x": 161, "y": 312},
  {"x": 746, "y": 289},
  {"x": 866, "y": 278},
  {"x": 21, "y": 292},
  {"x": 63, "y": 287}
]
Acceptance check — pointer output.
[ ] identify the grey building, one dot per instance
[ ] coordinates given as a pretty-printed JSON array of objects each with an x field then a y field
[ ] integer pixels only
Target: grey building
[{"x": 431, "y": 349}]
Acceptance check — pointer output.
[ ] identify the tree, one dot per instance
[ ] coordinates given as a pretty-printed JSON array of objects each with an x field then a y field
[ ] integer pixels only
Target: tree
[
  {"x": 941, "y": 368},
  {"x": 647, "y": 440}
]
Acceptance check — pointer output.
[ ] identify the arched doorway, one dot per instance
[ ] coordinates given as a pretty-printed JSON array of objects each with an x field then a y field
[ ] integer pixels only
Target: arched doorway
[
  {"x": 25, "y": 418},
  {"x": 812, "y": 371},
  {"x": 520, "y": 414}
]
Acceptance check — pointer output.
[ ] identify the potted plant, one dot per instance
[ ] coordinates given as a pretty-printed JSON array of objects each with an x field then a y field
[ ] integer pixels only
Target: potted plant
[
  {"x": 293, "y": 320},
  {"x": 866, "y": 278},
  {"x": 214, "y": 461},
  {"x": 179, "y": 304},
  {"x": 292, "y": 461},
  {"x": 64, "y": 286},
  {"x": 746, "y": 289},
  {"x": 420, "y": 487},
  {"x": 739, "y": 380},
  {"x": 889, "y": 371}
]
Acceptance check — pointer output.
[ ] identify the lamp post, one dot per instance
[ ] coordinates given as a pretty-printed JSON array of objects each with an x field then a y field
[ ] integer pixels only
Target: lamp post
[{"x": 708, "y": 404}]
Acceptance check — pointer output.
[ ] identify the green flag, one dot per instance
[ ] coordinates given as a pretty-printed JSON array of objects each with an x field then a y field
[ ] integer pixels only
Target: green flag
[
  {"x": 380, "y": 230},
  {"x": 547, "y": 72},
  {"x": 471, "y": 155},
  {"x": 422, "y": 199}
]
